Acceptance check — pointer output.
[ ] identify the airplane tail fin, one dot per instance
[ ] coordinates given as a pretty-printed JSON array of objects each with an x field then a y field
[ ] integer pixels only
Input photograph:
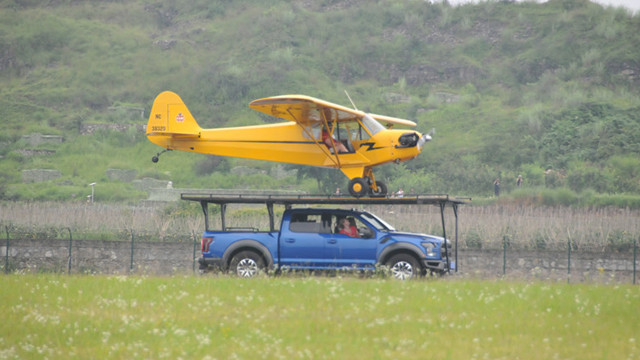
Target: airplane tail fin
[{"x": 170, "y": 117}]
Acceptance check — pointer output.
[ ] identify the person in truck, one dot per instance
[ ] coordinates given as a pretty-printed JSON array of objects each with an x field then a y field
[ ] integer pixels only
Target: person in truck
[{"x": 347, "y": 228}]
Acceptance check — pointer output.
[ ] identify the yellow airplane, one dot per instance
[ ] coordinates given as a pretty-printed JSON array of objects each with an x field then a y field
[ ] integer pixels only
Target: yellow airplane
[{"x": 317, "y": 133}]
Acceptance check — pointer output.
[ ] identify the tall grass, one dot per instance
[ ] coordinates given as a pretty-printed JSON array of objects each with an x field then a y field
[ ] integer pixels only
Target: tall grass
[
  {"x": 54, "y": 317},
  {"x": 525, "y": 226}
]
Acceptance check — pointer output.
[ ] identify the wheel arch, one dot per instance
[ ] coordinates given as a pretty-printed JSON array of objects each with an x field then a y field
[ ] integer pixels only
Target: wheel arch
[
  {"x": 248, "y": 244},
  {"x": 400, "y": 248}
]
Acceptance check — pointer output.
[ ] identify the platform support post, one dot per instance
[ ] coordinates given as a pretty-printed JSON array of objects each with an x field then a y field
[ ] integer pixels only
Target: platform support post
[
  {"x": 455, "y": 212},
  {"x": 444, "y": 235}
]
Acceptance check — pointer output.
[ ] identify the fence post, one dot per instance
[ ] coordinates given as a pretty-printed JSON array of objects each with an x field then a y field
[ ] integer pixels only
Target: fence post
[
  {"x": 70, "y": 244},
  {"x": 569, "y": 261},
  {"x": 635, "y": 248},
  {"x": 131, "y": 267},
  {"x": 6, "y": 256},
  {"x": 504, "y": 257}
]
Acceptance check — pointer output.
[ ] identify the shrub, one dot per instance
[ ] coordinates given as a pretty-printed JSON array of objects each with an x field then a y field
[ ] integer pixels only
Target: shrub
[
  {"x": 558, "y": 197},
  {"x": 473, "y": 240},
  {"x": 210, "y": 164},
  {"x": 508, "y": 237},
  {"x": 539, "y": 241},
  {"x": 619, "y": 241}
]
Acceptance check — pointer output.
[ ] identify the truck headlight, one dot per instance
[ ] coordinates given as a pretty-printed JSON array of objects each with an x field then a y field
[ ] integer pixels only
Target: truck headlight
[{"x": 429, "y": 248}]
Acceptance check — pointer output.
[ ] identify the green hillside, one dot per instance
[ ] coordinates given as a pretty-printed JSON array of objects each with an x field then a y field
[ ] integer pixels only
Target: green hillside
[{"x": 511, "y": 88}]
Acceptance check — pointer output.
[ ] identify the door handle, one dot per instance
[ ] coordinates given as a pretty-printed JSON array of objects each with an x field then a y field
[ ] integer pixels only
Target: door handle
[
  {"x": 289, "y": 240},
  {"x": 332, "y": 241}
]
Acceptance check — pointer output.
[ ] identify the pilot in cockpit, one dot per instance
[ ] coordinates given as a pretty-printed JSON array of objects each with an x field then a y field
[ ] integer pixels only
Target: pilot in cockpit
[{"x": 326, "y": 139}]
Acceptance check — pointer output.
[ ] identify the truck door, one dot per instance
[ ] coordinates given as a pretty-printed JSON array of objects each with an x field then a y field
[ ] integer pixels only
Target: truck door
[
  {"x": 346, "y": 251},
  {"x": 302, "y": 243}
]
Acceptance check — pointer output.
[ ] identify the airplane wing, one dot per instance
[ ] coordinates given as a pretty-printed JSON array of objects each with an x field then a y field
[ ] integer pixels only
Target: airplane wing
[
  {"x": 306, "y": 109},
  {"x": 391, "y": 120}
]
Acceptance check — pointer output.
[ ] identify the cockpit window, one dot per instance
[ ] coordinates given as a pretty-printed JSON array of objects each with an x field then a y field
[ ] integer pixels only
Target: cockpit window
[{"x": 371, "y": 125}]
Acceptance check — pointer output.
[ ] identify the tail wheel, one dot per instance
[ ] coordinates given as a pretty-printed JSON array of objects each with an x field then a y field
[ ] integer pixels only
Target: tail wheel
[
  {"x": 381, "y": 192},
  {"x": 246, "y": 264},
  {"x": 358, "y": 187}
]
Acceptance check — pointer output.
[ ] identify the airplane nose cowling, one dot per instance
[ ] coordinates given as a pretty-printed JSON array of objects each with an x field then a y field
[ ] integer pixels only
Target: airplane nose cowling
[{"x": 408, "y": 140}]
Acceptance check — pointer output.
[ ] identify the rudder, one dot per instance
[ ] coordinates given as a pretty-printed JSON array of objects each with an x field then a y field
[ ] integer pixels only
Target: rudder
[{"x": 169, "y": 115}]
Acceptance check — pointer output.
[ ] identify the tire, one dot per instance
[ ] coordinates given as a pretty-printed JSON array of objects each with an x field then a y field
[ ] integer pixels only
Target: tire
[
  {"x": 358, "y": 187},
  {"x": 246, "y": 264},
  {"x": 382, "y": 190},
  {"x": 404, "y": 267}
]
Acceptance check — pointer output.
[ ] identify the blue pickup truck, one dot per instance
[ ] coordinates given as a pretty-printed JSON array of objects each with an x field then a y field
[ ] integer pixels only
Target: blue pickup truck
[{"x": 310, "y": 239}]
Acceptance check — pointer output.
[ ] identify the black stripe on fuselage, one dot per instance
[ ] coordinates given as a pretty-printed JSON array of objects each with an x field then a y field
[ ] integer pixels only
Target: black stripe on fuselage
[
  {"x": 265, "y": 141},
  {"x": 369, "y": 145}
]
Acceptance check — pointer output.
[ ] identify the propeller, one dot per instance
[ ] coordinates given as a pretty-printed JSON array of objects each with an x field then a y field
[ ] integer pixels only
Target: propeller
[{"x": 426, "y": 137}]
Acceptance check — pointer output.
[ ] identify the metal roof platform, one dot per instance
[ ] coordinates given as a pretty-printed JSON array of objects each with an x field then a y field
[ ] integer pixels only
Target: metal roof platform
[{"x": 429, "y": 199}]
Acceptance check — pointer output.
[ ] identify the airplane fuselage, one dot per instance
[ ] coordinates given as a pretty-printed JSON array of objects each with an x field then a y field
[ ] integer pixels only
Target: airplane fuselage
[
  {"x": 353, "y": 141},
  {"x": 274, "y": 143}
]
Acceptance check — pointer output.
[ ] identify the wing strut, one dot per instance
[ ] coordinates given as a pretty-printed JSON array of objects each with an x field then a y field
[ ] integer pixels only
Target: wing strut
[
  {"x": 333, "y": 144},
  {"x": 321, "y": 146}
]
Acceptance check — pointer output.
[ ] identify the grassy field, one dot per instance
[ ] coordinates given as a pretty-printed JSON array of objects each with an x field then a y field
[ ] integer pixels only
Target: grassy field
[{"x": 118, "y": 317}]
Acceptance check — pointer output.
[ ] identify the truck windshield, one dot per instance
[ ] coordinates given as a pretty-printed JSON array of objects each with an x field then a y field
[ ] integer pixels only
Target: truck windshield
[{"x": 376, "y": 222}]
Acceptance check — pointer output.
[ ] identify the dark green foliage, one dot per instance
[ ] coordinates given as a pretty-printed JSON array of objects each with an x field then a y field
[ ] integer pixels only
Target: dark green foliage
[
  {"x": 473, "y": 240},
  {"x": 508, "y": 237},
  {"x": 619, "y": 241},
  {"x": 586, "y": 176},
  {"x": 184, "y": 209},
  {"x": 539, "y": 241},
  {"x": 210, "y": 164},
  {"x": 326, "y": 180},
  {"x": 592, "y": 132}
]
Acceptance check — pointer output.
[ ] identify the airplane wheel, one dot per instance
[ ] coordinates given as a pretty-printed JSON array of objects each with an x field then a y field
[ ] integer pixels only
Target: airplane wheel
[
  {"x": 382, "y": 190},
  {"x": 155, "y": 159},
  {"x": 358, "y": 187}
]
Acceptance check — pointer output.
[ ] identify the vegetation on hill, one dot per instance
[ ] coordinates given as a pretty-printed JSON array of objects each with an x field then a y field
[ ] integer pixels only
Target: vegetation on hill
[{"x": 549, "y": 91}]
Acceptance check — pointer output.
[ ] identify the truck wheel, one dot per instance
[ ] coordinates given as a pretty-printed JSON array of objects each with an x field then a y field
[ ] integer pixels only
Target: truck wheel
[
  {"x": 246, "y": 264},
  {"x": 404, "y": 267}
]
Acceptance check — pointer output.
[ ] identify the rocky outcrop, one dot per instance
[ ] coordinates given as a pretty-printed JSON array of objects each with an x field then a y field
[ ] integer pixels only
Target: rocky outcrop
[
  {"x": 34, "y": 152},
  {"x": 39, "y": 175},
  {"x": 35, "y": 139},
  {"x": 121, "y": 175},
  {"x": 88, "y": 129}
]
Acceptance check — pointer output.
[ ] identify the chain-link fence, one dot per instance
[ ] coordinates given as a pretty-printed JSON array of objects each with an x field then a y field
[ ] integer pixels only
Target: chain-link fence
[
  {"x": 518, "y": 241},
  {"x": 136, "y": 255}
]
